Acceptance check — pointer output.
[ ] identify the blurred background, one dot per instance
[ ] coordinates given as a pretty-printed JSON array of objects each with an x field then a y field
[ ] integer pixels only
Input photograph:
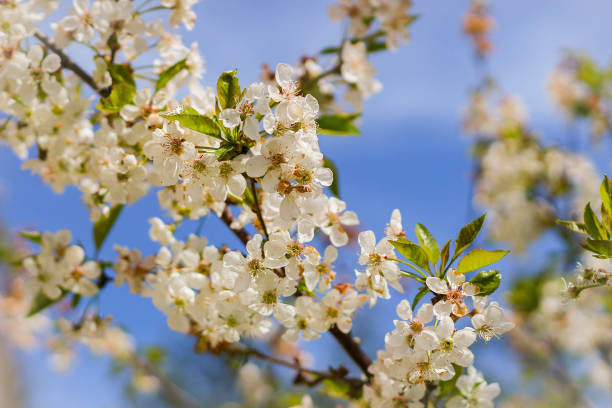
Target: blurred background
[{"x": 412, "y": 155}]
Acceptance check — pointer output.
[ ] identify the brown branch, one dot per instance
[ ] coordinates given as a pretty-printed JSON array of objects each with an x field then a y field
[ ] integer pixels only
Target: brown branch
[
  {"x": 228, "y": 219},
  {"x": 70, "y": 65},
  {"x": 175, "y": 393},
  {"x": 353, "y": 349},
  {"x": 338, "y": 376},
  {"x": 258, "y": 208}
]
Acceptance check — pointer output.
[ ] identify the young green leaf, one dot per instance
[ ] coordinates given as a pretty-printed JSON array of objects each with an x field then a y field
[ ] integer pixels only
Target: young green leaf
[
  {"x": 339, "y": 124},
  {"x": 428, "y": 243},
  {"x": 228, "y": 90},
  {"x": 121, "y": 95},
  {"x": 103, "y": 226},
  {"x": 121, "y": 74},
  {"x": 417, "y": 298},
  {"x": 606, "y": 195},
  {"x": 468, "y": 234},
  {"x": 226, "y": 152},
  {"x": 479, "y": 258},
  {"x": 444, "y": 256},
  {"x": 32, "y": 236},
  {"x": 593, "y": 225},
  {"x": 412, "y": 252},
  {"x": 195, "y": 121},
  {"x": 41, "y": 302},
  {"x": 166, "y": 75},
  {"x": 603, "y": 248},
  {"x": 574, "y": 226},
  {"x": 487, "y": 282},
  {"x": 333, "y": 188}
]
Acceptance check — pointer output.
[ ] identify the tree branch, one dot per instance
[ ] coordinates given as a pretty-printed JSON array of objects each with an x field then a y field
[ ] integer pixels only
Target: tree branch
[
  {"x": 339, "y": 376},
  {"x": 240, "y": 233},
  {"x": 70, "y": 65},
  {"x": 175, "y": 393},
  {"x": 353, "y": 349}
]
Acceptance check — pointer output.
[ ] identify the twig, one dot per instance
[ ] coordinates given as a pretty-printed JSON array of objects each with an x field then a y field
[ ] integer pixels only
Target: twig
[
  {"x": 258, "y": 208},
  {"x": 69, "y": 64},
  {"x": 275, "y": 360},
  {"x": 228, "y": 219},
  {"x": 175, "y": 393},
  {"x": 353, "y": 349}
]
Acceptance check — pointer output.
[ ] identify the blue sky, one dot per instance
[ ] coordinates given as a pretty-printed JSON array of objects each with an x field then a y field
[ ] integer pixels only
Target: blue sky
[{"x": 411, "y": 155}]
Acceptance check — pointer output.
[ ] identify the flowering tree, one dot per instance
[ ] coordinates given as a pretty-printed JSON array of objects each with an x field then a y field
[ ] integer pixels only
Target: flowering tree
[{"x": 250, "y": 156}]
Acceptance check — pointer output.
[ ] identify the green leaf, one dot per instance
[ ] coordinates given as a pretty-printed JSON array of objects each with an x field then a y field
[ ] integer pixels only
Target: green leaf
[
  {"x": 166, "y": 75},
  {"x": 606, "y": 195},
  {"x": 479, "y": 258},
  {"x": 76, "y": 299},
  {"x": 339, "y": 124},
  {"x": 447, "y": 388},
  {"x": 375, "y": 46},
  {"x": 103, "y": 226},
  {"x": 417, "y": 298},
  {"x": 487, "y": 282},
  {"x": 444, "y": 255},
  {"x": 574, "y": 226},
  {"x": 412, "y": 252},
  {"x": 606, "y": 204},
  {"x": 329, "y": 50},
  {"x": 41, "y": 302},
  {"x": 121, "y": 94},
  {"x": 593, "y": 225},
  {"x": 191, "y": 119},
  {"x": 468, "y": 234},
  {"x": 601, "y": 247},
  {"x": 228, "y": 90},
  {"x": 121, "y": 74},
  {"x": 226, "y": 152},
  {"x": 428, "y": 243},
  {"x": 334, "y": 188},
  {"x": 32, "y": 236}
]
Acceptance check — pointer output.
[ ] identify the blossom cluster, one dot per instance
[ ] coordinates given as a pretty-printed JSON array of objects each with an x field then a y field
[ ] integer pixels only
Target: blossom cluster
[
  {"x": 426, "y": 348},
  {"x": 581, "y": 90},
  {"x": 518, "y": 177},
  {"x": 49, "y": 112}
]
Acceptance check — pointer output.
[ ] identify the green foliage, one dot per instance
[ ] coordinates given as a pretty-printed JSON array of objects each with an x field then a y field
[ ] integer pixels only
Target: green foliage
[
  {"x": 228, "y": 90},
  {"x": 428, "y": 243},
  {"x": 103, "y": 226},
  {"x": 334, "y": 188},
  {"x": 121, "y": 74},
  {"x": 417, "y": 298},
  {"x": 191, "y": 119},
  {"x": 32, "y": 236},
  {"x": 166, "y": 75},
  {"x": 526, "y": 293},
  {"x": 448, "y": 388},
  {"x": 121, "y": 95},
  {"x": 422, "y": 257},
  {"x": 412, "y": 252},
  {"x": 479, "y": 258},
  {"x": 598, "y": 231},
  {"x": 468, "y": 234},
  {"x": 487, "y": 282},
  {"x": 339, "y": 124},
  {"x": 42, "y": 301}
]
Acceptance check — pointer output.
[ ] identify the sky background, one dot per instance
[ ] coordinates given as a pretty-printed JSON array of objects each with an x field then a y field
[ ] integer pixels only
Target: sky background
[{"x": 411, "y": 154}]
